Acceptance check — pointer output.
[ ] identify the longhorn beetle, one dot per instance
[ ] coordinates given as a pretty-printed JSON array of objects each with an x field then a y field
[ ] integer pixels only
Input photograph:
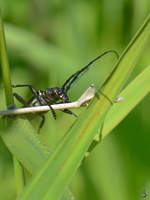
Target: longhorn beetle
[{"x": 52, "y": 95}]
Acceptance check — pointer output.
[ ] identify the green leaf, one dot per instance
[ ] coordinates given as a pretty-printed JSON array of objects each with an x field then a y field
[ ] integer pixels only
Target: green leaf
[
  {"x": 132, "y": 95},
  {"x": 5, "y": 67},
  {"x": 9, "y": 97},
  {"x": 58, "y": 170},
  {"x": 25, "y": 144}
]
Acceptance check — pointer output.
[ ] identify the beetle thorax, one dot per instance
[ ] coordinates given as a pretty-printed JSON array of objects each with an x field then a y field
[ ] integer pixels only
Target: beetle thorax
[{"x": 52, "y": 95}]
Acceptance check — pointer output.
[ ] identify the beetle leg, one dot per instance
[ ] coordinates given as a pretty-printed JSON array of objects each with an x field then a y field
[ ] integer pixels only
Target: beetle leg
[
  {"x": 20, "y": 99},
  {"x": 34, "y": 92},
  {"x": 42, "y": 123},
  {"x": 69, "y": 112},
  {"x": 53, "y": 111}
]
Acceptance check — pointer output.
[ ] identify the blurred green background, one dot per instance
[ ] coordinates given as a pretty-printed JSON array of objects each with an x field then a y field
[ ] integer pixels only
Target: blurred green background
[{"x": 47, "y": 41}]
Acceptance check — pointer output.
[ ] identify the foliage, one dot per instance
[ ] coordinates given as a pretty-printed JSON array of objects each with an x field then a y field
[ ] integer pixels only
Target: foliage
[{"x": 46, "y": 38}]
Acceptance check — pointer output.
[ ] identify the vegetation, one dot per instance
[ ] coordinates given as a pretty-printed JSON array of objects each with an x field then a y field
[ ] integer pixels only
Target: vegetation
[{"x": 46, "y": 42}]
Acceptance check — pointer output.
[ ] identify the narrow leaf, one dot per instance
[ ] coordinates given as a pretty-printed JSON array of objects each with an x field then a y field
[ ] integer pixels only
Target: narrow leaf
[{"x": 132, "y": 95}]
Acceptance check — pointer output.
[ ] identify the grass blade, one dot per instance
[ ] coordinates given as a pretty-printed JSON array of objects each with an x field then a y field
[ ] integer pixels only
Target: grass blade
[
  {"x": 9, "y": 97},
  {"x": 5, "y": 68},
  {"x": 25, "y": 144},
  {"x": 132, "y": 95}
]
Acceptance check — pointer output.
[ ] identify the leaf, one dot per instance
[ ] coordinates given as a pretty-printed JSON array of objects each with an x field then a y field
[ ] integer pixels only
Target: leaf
[
  {"x": 25, "y": 144},
  {"x": 132, "y": 95}
]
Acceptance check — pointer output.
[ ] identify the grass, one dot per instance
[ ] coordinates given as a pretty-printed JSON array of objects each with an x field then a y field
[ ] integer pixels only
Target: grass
[{"x": 52, "y": 170}]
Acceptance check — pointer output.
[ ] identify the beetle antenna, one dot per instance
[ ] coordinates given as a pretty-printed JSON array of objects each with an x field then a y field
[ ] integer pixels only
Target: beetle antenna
[{"x": 74, "y": 76}]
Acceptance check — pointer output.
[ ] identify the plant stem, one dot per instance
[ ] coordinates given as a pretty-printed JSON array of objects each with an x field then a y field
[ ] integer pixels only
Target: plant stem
[
  {"x": 9, "y": 96},
  {"x": 5, "y": 68}
]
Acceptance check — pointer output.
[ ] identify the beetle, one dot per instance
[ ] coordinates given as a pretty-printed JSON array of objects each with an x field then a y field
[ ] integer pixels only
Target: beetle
[{"x": 53, "y": 95}]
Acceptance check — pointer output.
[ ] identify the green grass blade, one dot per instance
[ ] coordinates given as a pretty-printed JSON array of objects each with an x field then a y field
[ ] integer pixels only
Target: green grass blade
[
  {"x": 9, "y": 98},
  {"x": 28, "y": 148},
  {"x": 132, "y": 95},
  {"x": 5, "y": 68},
  {"x": 19, "y": 175},
  {"x": 53, "y": 178},
  {"x": 25, "y": 144}
]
